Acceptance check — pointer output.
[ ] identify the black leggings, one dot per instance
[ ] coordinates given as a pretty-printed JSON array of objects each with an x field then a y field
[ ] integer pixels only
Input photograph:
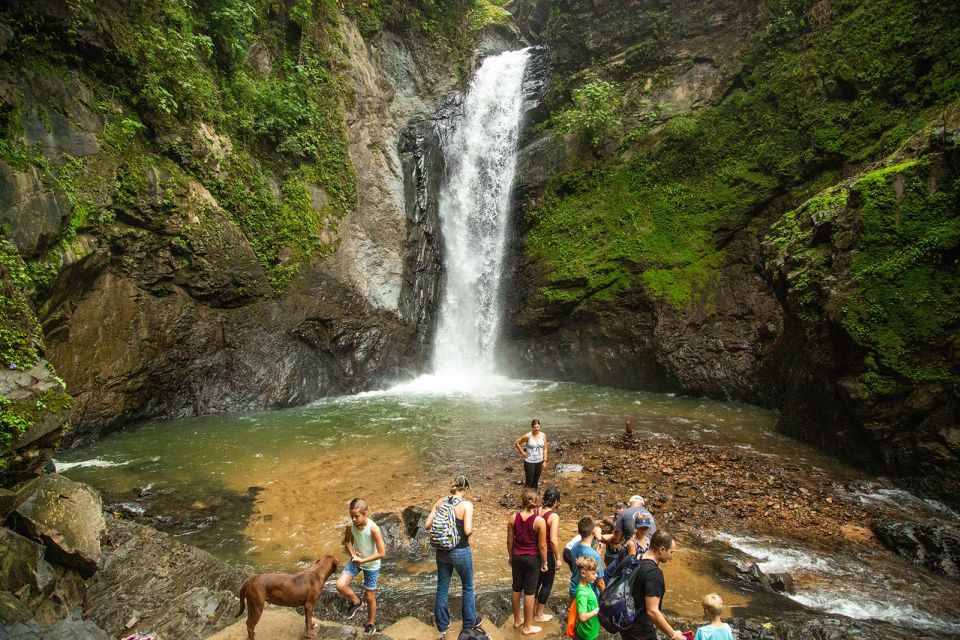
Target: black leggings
[
  {"x": 531, "y": 474},
  {"x": 546, "y": 579},
  {"x": 525, "y": 571}
]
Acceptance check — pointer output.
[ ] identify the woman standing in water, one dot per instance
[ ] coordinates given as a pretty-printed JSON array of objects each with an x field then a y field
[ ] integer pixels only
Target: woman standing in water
[
  {"x": 527, "y": 549},
  {"x": 533, "y": 448},
  {"x": 459, "y": 558}
]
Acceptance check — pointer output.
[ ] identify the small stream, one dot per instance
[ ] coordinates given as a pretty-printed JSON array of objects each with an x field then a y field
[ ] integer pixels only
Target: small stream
[{"x": 271, "y": 488}]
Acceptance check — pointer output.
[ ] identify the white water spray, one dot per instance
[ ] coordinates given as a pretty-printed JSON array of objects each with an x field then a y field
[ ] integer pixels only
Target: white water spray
[{"x": 474, "y": 210}]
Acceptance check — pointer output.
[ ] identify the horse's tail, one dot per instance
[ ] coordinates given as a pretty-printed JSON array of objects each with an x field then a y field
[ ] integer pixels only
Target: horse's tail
[{"x": 243, "y": 597}]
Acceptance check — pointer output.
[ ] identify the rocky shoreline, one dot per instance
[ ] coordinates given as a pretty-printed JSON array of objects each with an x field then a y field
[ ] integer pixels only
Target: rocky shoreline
[
  {"x": 692, "y": 486},
  {"x": 120, "y": 577}
]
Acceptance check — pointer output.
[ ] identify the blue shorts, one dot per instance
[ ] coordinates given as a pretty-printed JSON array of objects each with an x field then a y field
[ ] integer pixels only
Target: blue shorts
[{"x": 369, "y": 576}]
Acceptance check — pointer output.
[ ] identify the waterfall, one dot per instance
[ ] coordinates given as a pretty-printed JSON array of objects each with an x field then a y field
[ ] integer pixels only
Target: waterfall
[{"x": 474, "y": 209}]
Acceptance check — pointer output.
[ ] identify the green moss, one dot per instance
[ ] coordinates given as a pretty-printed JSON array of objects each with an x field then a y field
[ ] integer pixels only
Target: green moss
[
  {"x": 18, "y": 416},
  {"x": 898, "y": 299},
  {"x": 907, "y": 297},
  {"x": 810, "y": 98},
  {"x": 20, "y": 333}
]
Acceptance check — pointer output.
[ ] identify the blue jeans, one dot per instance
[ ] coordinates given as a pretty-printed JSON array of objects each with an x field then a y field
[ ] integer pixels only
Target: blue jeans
[{"x": 461, "y": 561}]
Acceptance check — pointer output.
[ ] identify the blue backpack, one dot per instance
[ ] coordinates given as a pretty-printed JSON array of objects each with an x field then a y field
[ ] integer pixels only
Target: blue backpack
[{"x": 618, "y": 611}]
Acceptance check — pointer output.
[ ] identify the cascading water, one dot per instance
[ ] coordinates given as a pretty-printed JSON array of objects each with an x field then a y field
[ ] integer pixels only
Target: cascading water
[{"x": 474, "y": 207}]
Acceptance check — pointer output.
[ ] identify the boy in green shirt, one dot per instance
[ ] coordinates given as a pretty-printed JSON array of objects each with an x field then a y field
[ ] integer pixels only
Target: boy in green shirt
[{"x": 588, "y": 627}]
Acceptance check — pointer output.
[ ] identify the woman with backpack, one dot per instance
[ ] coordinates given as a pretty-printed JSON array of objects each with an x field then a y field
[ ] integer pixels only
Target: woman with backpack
[
  {"x": 638, "y": 543},
  {"x": 450, "y": 524},
  {"x": 551, "y": 498},
  {"x": 527, "y": 546}
]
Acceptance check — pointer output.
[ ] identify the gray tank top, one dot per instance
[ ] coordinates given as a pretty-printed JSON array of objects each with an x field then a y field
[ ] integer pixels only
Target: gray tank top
[{"x": 364, "y": 544}]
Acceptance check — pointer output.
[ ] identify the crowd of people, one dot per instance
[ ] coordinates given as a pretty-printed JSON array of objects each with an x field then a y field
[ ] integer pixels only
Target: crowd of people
[{"x": 594, "y": 556}]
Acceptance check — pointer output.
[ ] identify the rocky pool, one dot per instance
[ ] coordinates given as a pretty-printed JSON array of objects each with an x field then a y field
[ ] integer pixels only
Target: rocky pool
[{"x": 270, "y": 489}]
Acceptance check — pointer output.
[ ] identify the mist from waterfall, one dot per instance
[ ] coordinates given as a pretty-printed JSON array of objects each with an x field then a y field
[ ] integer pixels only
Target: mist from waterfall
[{"x": 474, "y": 208}]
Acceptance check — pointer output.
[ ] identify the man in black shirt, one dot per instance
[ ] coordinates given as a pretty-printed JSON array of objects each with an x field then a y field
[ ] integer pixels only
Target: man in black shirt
[{"x": 648, "y": 590}]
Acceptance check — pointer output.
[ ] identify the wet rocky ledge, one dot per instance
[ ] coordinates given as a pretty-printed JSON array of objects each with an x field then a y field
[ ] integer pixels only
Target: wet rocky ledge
[{"x": 69, "y": 570}]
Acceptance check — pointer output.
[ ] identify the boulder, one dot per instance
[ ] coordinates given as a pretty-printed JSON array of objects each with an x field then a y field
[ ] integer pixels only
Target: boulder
[
  {"x": 934, "y": 545},
  {"x": 404, "y": 535},
  {"x": 418, "y": 538},
  {"x": 12, "y": 610},
  {"x": 63, "y": 630},
  {"x": 149, "y": 581},
  {"x": 62, "y": 599},
  {"x": 34, "y": 212},
  {"x": 22, "y": 568},
  {"x": 66, "y": 516},
  {"x": 8, "y": 500}
]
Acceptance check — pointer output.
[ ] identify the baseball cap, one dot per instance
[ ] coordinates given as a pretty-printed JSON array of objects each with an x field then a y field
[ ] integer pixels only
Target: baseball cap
[
  {"x": 643, "y": 520},
  {"x": 637, "y": 498}
]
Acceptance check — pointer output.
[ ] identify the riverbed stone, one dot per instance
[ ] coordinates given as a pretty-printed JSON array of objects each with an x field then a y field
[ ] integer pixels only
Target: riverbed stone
[
  {"x": 934, "y": 545},
  {"x": 66, "y": 516},
  {"x": 149, "y": 581}
]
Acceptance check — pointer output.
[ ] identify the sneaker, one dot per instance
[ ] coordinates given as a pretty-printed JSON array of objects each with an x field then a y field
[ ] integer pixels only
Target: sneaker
[
  {"x": 370, "y": 628},
  {"x": 352, "y": 610}
]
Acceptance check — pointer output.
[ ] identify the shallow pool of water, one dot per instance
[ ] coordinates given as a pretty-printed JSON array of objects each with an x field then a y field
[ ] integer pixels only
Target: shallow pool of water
[{"x": 271, "y": 488}]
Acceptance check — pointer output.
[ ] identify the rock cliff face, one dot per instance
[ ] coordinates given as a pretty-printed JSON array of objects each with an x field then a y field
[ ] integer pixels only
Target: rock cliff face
[
  {"x": 258, "y": 255},
  {"x": 660, "y": 243}
]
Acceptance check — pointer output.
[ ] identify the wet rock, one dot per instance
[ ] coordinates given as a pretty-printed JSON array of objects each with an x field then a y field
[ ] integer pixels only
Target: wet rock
[
  {"x": 418, "y": 538},
  {"x": 12, "y": 610},
  {"x": 568, "y": 467},
  {"x": 782, "y": 582},
  {"x": 66, "y": 517},
  {"x": 162, "y": 585},
  {"x": 26, "y": 457},
  {"x": 63, "y": 630},
  {"x": 22, "y": 567},
  {"x": 336, "y": 632},
  {"x": 933, "y": 545},
  {"x": 34, "y": 212}
]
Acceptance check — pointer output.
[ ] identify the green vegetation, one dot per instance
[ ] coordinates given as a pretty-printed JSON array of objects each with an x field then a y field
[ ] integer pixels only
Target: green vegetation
[
  {"x": 264, "y": 78},
  {"x": 816, "y": 93},
  {"x": 20, "y": 334},
  {"x": 18, "y": 416},
  {"x": 899, "y": 299}
]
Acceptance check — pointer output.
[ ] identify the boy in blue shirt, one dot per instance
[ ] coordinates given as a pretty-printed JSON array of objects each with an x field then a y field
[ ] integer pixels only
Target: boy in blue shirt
[
  {"x": 717, "y": 629},
  {"x": 583, "y": 550}
]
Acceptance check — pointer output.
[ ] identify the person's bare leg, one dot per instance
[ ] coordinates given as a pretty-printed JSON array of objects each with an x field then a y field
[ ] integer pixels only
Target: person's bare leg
[
  {"x": 540, "y": 616},
  {"x": 515, "y": 600},
  {"x": 343, "y": 586},
  {"x": 528, "y": 605},
  {"x": 371, "y": 598}
]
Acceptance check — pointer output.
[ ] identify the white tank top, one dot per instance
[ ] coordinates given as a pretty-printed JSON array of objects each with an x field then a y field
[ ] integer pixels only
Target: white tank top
[
  {"x": 364, "y": 544},
  {"x": 535, "y": 449}
]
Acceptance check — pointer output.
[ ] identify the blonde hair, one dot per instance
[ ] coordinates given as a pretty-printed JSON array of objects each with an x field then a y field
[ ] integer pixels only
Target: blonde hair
[
  {"x": 358, "y": 504},
  {"x": 712, "y": 605},
  {"x": 585, "y": 563}
]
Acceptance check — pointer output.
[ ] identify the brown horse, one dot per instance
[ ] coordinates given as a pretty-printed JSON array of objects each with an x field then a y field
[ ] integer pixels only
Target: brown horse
[{"x": 300, "y": 589}]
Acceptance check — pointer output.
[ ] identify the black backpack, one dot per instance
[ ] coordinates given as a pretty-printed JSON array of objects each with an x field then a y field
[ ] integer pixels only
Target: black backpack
[
  {"x": 618, "y": 611},
  {"x": 474, "y": 633}
]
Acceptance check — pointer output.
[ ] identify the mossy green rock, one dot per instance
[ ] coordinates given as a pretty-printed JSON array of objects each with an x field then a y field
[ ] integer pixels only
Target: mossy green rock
[{"x": 870, "y": 278}]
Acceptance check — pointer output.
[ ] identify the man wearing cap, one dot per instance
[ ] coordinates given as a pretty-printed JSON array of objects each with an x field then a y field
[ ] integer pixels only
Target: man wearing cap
[{"x": 623, "y": 528}]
